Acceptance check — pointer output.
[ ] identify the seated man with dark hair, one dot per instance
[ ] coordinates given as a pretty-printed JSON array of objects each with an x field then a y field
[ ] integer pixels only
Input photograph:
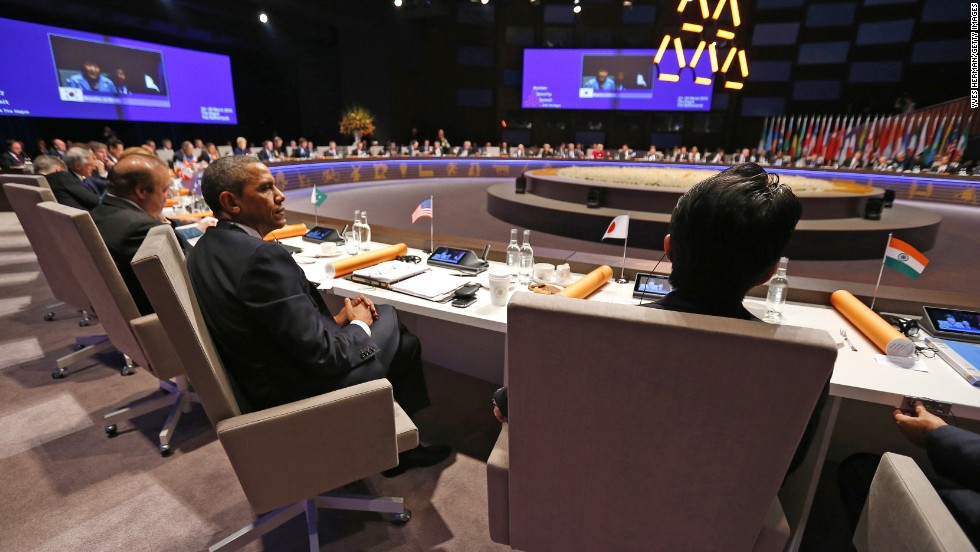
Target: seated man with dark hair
[
  {"x": 270, "y": 326},
  {"x": 138, "y": 190},
  {"x": 727, "y": 234}
]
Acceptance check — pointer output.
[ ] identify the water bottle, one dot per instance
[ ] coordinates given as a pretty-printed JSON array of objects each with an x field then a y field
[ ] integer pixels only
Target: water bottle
[
  {"x": 357, "y": 224},
  {"x": 776, "y": 298},
  {"x": 527, "y": 259},
  {"x": 513, "y": 255},
  {"x": 365, "y": 230}
]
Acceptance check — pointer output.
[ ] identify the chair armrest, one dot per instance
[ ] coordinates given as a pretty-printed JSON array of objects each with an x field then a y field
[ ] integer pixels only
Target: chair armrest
[
  {"x": 299, "y": 450},
  {"x": 157, "y": 346},
  {"x": 903, "y": 512},
  {"x": 498, "y": 488}
]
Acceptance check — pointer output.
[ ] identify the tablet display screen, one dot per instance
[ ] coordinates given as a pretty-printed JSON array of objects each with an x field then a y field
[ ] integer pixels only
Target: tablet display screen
[
  {"x": 953, "y": 321},
  {"x": 448, "y": 255}
]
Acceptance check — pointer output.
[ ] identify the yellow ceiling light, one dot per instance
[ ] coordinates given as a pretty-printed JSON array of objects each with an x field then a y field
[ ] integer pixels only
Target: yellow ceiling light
[{"x": 726, "y": 35}]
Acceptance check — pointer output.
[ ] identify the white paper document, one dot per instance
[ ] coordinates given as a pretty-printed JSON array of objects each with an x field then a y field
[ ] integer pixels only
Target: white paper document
[{"x": 433, "y": 285}]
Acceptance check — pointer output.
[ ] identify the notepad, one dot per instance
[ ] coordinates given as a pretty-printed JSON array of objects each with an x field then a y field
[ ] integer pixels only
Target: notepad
[
  {"x": 434, "y": 286},
  {"x": 388, "y": 272}
]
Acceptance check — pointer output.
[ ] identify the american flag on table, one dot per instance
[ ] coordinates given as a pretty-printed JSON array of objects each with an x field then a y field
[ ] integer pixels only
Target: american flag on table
[{"x": 424, "y": 210}]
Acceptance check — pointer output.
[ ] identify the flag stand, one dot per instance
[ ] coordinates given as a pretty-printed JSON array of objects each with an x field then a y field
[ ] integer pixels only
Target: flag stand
[
  {"x": 880, "y": 271},
  {"x": 622, "y": 271},
  {"x": 432, "y": 243}
]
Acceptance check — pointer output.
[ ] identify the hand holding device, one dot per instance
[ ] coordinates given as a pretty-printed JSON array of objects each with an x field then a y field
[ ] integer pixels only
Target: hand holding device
[{"x": 918, "y": 427}]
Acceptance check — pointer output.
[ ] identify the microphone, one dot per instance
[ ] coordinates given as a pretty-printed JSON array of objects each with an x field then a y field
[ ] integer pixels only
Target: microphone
[{"x": 486, "y": 251}]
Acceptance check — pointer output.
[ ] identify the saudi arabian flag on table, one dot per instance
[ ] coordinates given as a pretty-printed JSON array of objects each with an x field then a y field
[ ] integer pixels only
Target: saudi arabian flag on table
[{"x": 905, "y": 258}]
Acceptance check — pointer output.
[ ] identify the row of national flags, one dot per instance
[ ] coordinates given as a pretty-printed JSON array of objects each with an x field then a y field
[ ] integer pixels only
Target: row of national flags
[{"x": 836, "y": 137}]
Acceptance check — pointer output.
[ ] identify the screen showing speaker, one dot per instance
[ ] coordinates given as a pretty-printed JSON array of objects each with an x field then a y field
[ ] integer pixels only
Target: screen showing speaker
[
  {"x": 55, "y": 72},
  {"x": 614, "y": 79}
]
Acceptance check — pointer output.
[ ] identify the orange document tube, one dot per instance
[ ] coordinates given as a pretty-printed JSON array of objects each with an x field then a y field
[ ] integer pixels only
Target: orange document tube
[
  {"x": 343, "y": 267},
  {"x": 288, "y": 231},
  {"x": 588, "y": 284},
  {"x": 874, "y": 327}
]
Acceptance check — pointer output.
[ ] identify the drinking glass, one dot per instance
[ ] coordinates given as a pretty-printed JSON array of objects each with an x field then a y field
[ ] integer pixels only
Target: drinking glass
[{"x": 352, "y": 242}]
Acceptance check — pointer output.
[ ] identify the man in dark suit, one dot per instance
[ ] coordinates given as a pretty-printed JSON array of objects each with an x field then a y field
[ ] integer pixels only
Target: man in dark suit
[
  {"x": 854, "y": 162},
  {"x": 138, "y": 190},
  {"x": 267, "y": 154},
  {"x": 953, "y": 452},
  {"x": 14, "y": 157},
  {"x": 303, "y": 151},
  {"x": 270, "y": 326},
  {"x": 67, "y": 185}
]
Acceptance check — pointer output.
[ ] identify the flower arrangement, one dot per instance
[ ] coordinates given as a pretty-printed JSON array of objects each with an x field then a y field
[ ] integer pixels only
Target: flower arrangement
[{"x": 357, "y": 120}]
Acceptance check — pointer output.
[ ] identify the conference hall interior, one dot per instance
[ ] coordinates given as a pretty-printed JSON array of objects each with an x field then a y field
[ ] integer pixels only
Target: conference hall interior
[{"x": 397, "y": 130}]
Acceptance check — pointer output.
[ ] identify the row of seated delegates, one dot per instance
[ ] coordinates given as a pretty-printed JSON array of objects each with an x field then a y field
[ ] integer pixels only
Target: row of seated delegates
[
  {"x": 727, "y": 234},
  {"x": 900, "y": 162},
  {"x": 272, "y": 330}
]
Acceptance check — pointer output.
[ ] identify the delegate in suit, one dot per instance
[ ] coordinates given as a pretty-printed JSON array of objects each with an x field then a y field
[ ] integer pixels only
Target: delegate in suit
[
  {"x": 953, "y": 452},
  {"x": 68, "y": 187},
  {"x": 138, "y": 189},
  {"x": 270, "y": 326}
]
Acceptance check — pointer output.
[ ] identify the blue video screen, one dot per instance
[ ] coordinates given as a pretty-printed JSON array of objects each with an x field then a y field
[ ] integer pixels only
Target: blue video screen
[{"x": 56, "y": 72}]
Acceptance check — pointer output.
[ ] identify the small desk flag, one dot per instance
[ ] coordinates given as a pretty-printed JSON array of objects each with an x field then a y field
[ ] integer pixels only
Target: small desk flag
[
  {"x": 424, "y": 210},
  {"x": 618, "y": 228},
  {"x": 905, "y": 258},
  {"x": 317, "y": 197}
]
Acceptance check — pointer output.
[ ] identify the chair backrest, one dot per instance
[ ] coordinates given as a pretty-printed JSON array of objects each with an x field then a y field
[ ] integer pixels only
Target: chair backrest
[
  {"x": 225, "y": 151},
  {"x": 904, "y": 512},
  {"x": 159, "y": 265},
  {"x": 63, "y": 281},
  {"x": 165, "y": 155},
  {"x": 26, "y": 179},
  {"x": 85, "y": 255},
  {"x": 633, "y": 428}
]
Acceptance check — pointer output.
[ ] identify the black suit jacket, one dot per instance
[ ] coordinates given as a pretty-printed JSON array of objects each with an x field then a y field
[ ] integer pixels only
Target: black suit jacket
[
  {"x": 205, "y": 157},
  {"x": 123, "y": 227},
  {"x": 275, "y": 336},
  {"x": 955, "y": 454},
  {"x": 8, "y": 160},
  {"x": 266, "y": 155},
  {"x": 69, "y": 190}
]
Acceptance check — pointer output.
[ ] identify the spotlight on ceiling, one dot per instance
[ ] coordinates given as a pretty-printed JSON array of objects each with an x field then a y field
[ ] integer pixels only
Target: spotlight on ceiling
[
  {"x": 627, "y": 4},
  {"x": 398, "y": 3},
  {"x": 263, "y": 18},
  {"x": 577, "y": 9},
  {"x": 484, "y": 2}
]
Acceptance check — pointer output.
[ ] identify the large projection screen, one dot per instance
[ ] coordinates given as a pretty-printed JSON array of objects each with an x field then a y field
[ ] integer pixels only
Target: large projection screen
[
  {"x": 54, "y": 72},
  {"x": 613, "y": 80}
]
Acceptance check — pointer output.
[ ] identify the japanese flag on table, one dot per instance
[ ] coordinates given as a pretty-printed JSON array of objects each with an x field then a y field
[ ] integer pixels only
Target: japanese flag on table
[
  {"x": 905, "y": 258},
  {"x": 618, "y": 228}
]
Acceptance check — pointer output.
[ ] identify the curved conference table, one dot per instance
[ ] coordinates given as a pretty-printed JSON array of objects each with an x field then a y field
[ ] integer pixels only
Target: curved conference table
[{"x": 558, "y": 206}]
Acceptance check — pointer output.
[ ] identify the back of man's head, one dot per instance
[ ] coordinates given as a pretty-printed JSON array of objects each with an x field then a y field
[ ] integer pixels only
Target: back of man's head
[
  {"x": 728, "y": 231},
  {"x": 226, "y": 174},
  {"x": 132, "y": 172},
  {"x": 48, "y": 164}
]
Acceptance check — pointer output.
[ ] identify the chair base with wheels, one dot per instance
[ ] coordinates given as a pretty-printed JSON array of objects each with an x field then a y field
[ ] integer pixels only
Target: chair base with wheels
[
  {"x": 334, "y": 501},
  {"x": 177, "y": 398},
  {"x": 86, "y": 347}
]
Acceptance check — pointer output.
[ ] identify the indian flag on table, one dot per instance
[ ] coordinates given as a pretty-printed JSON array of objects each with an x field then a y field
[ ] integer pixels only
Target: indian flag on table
[{"x": 905, "y": 258}]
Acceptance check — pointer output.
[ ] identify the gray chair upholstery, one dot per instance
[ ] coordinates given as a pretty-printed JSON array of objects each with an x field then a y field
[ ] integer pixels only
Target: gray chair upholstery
[
  {"x": 284, "y": 456},
  {"x": 26, "y": 180},
  {"x": 904, "y": 513},
  {"x": 140, "y": 338},
  {"x": 642, "y": 429},
  {"x": 24, "y": 198}
]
